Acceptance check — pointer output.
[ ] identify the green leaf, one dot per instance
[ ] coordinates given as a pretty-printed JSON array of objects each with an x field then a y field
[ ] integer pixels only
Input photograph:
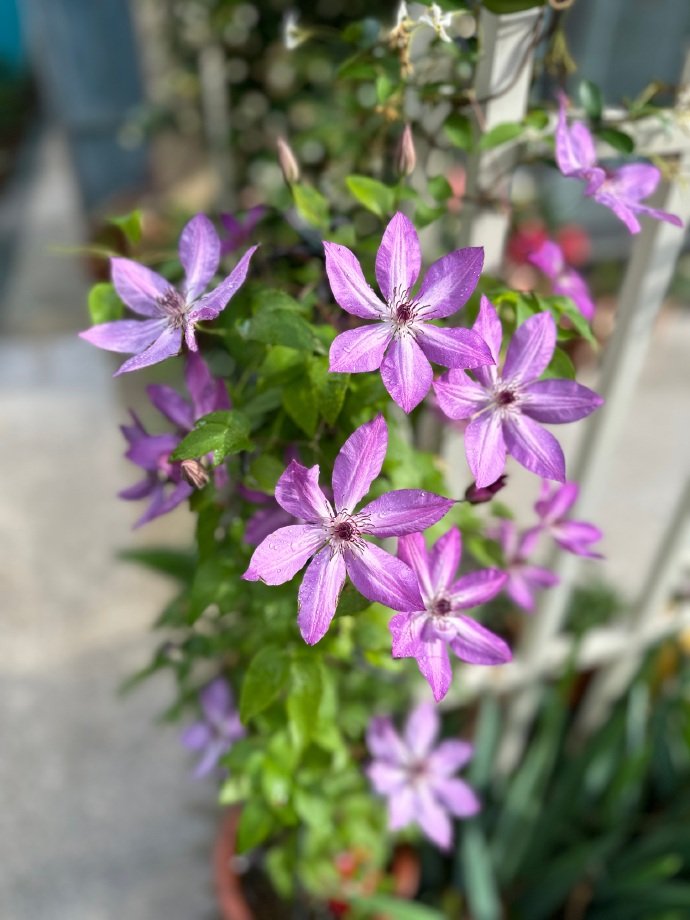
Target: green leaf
[
  {"x": 130, "y": 224},
  {"x": 619, "y": 140},
  {"x": 303, "y": 698},
  {"x": 560, "y": 366},
  {"x": 501, "y": 134},
  {"x": 104, "y": 304},
  {"x": 264, "y": 298},
  {"x": 330, "y": 389},
  {"x": 311, "y": 205},
  {"x": 384, "y": 88},
  {"x": 283, "y": 327},
  {"x": 374, "y": 195},
  {"x": 265, "y": 471},
  {"x": 458, "y": 130},
  {"x": 221, "y": 433},
  {"x": 313, "y": 809},
  {"x": 234, "y": 789},
  {"x": 176, "y": 563},
  {"x": 276, "y": 783},
  {"x": 565, "y": 307},
  {"x": 482, "y": 891},
  {"x": 439, "y": 188},
  {"x": 256, "y": 823},
  {"x": 395, "y": 908},
  {"x": 501, "y": 7},
  {"x": 591, "y": 99},
  {"x": 266, "y": 676},
  {"x": 537, "y": 118},
  {"x": 299, "y": 401}
]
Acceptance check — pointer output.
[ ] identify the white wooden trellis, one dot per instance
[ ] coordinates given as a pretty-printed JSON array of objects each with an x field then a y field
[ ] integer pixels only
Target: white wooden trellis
[{"x": 616, "y": 648}]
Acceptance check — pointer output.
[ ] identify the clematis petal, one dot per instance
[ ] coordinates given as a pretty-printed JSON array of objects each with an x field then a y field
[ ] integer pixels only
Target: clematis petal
[
  {"x": 624, "y": 211},
  {"x": 128, "y": 336},
  {"x": 434, "y": 666},
  {"x": 208, "y": 393},
  {"x": 140, "y": 489},
  {"x": 173, "y": 406},
  {"x": 575, "y": 146},
  {"x": 659, "y": 215},
  {"x": 449, "y": 282},
  {"x": 359, "y": 350},
  {"x": 298, "y": 492},
  {"x": 386, "y": 778},
  {"x": 421, "y": 729},
  {"x": 406, "y": 373},
  {"x": 555, "y": 501},
  {"x": 524, "y": 580},
  {"x": 634, "y": 181},
  {"x": 413, "y": 552},
  {"x": 453, "y": 347},
  {"x": 383, "y": 578},
  {"x": 558, "y": 401},
  {"x": 398, "y": 259},
  {"x": 449, "y": 757},
  {"x": 383, "y": 741},
  {"x": 406, "y": 630},
  {"x": 476, "y": 588},
  {"x": 477, "y": 644},
  {"x": 213, "y": 303},
  {"x": 199, "y": 254},
  {"x": 458, "y": 797},
  {"x": 147, "y": 452},
  {"x": 433, "y": 819},
  {"x": 197, "y": 736},
  {"x": 139, "y": 287},
  {"x": 530, "y": 349},
  {"x": 166, "y": 346},
  {"x": 318, "y": 594},
  {"x": 575, "y": 536},
  {"x": 548, "y": 258},
  {"x": 488, "y": 327},
  {"x": 401, "y": 809},
  {"x": 350, "y": 289},
  {"x": 163, "y": 503},
  {"x": 404, "y": 511},
  {"x": 210, "y": 758},
  {"x": 534, "y": 447},
  {"x": 282, "y": 554},
  {"x": 359, "y": 462},
  {"x": 574, "y": 286},
  {"x": 444, "y": 559},
  {"x": 485, "y": 448},
  {"x": 216, "y": 699},
  {"x": 458, "y": 395}
]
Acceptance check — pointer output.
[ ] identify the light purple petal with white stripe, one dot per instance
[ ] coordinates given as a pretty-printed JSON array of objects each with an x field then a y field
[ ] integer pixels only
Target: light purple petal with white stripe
[
  {"x": 444, "y": 559},
  {"x": 318, "y": 594},
  {"x": 359, "y": 462},
  {"x": 173, "y": 406},
  {"x": 358, "y": 350},
  {"x": 555, "y": 501},
  {"x": 386, "y": 778},
  {"x": 350, "y": 289},
  {"x": 576, "y": 536},
  {"x": 485, "y": 448},
  {"x": 402, "y": 809},
  {"x": 477, "y": 644},
  {"x": 432, "y": 818},
  {"x": 383, "y": 578},
  {"x": 404, "y": 511},
  {"x": 488, "y": 327},
  {"x": 476, "y": 588},
  {"x": 458, "y": 395},
  {"x": 421, "y": 729},
  {"x": 534, "y": 447},
  {"x": 147, "y": 452},
  {"x": 139, "y": 287},
  {"x": 434, "y": 666},
  {"x": 449, "y": 282},
  {"x": 383, "y": 741},
  {"x": 398, "y": 259},
  {"x": 457, "y": 797},
  {"x": 127, "y": 336},
  {"x": 558, "y": 401},
  {"x": 453, "y": 347},
  {"x": 530, "y": 349},
  {"x": 282, "y": 554},
  {"x": 213, "y": 303},
  {"x": 199, "y": 249},
  {"x": 298, "y": 492},
  {"x": 406, "y": 372},
  {"x": 208, "y": 393},
  {"x": 450, "y": 756},
  {"x": 166, "y": 345},
  {"x": 413, "y": 552}
]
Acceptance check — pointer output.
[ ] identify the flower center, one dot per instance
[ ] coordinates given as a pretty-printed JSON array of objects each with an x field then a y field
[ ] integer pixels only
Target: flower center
[
  {"x": 173, "y": 304},
  {"x": 440, "y": 607},
  {"x": 345, "y": 531}
]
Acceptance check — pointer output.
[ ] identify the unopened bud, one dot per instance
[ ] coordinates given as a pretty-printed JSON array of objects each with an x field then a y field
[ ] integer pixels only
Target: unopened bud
[
  {"x": 194, "y": 473},
  {"x": 406, "y": 156},
  {"x": 476, "y": 496},
  {"x": 287, "y": 161}
]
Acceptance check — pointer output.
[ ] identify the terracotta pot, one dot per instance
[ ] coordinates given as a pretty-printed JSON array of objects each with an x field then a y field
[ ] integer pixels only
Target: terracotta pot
[{"x": 232, "y": 902}]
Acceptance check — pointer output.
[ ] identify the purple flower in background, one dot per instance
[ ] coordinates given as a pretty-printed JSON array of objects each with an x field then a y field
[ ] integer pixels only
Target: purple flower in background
[
  {"x": 565, "y": 281},
  {"x": 417, "y": 778},
  {"x": 621, "y": 190},
  {"x": 425, "y": 634},
  {"x": 334, "y": 536},
  {"x": 505, "y": 408},
  {"x": 573, "y": 536},
  {"x": 164, "y": 483},
  {"x": 523, "y": 577},
  {"x": 217, "y": 730},
  {"x": 169, "y": 313},
  {"x": 238, "y": 232},
  {"x": 403, "y": 341},
  {"x": 269, "y": 517}
]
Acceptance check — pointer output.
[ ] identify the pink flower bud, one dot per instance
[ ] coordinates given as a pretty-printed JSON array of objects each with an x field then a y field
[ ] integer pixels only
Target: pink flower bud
[
  {"x": 406, "y": 155},
  {"x": 287, "y": 161},
  {"x": 194, "y": 473}
]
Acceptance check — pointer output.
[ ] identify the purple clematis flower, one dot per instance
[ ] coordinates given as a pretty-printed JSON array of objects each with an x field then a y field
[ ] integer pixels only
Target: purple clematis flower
[
  {"x": 425, "y": 634},
  {"x": 164, "y": 483},
  {"x": 573, "y": 536},
  {"x": 334, "y": 536},
  {"x": 565, "y": 281},
  {"x": 169, "y": 313},
  {"x": 403, "y": 341},
  {"x": 417, "y": 778},
  {"x": 269, "y": 517},
  {"x": 621, "y": 190},
  {"x": 523, "y": 577},
  {"x": 504, "y": 408},
  {"x": 238, "y": 232},
  {"x": 218, "y": 728}
]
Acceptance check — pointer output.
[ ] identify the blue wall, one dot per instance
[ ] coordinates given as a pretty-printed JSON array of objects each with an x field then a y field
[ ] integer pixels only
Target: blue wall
[{"x": 12, "y": 52}]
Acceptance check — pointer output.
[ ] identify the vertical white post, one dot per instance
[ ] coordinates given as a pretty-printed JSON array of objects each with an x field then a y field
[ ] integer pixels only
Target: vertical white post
[{"x": 504, "y": 74}]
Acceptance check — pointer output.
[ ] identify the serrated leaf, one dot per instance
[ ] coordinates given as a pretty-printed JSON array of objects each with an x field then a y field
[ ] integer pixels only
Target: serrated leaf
[
  {"x": 374, "y": 195},
  {"x": 266, "y": 676},
  {"x": 299, "y": 401},
  {"x": 104, "y": 304},
  {"x": 130, "y": 224},
  {"x": 220, "y": 433},
  {"x": 311, "y": 205},
  {"x": 591, "y": 99},
  {"x": 501, "y": 134},
  {"x": 458, "y": 130},
  {"x": 282, "y": 327},
  {"x": 255, "y": 824}
]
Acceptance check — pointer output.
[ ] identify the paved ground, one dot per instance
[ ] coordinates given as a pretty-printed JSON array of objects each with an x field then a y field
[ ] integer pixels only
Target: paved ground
[{"x": 100, "y": 820}]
